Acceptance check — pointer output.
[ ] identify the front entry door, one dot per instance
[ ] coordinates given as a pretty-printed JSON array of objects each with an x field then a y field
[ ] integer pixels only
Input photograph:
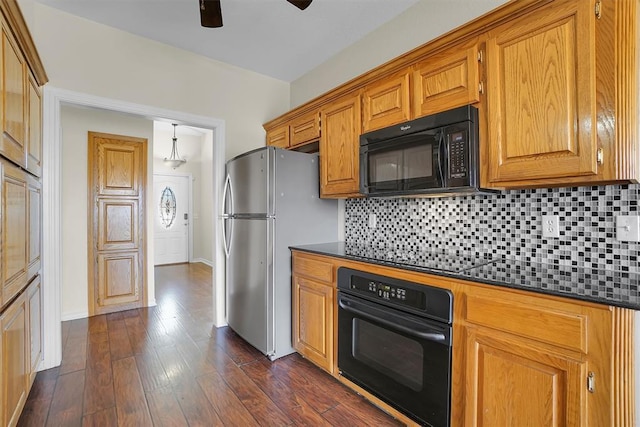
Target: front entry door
[
  {"x": 171, "y": 229},
  {"x": 117, "y": 178}
]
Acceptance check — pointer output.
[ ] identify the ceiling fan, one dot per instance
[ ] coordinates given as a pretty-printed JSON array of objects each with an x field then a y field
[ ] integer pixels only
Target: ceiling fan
[{"x": 211, "y": 13}]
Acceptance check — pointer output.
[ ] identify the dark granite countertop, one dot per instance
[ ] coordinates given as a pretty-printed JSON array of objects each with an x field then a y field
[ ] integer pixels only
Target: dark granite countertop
[{"x": 616, "y": 288}]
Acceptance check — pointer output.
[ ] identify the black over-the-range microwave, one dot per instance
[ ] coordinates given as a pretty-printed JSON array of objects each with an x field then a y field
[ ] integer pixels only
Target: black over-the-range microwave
[{"x": 436, "y": 155}]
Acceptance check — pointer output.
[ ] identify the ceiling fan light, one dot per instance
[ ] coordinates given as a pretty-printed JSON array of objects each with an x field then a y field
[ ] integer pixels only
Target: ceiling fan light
[{"x": 210, "y": 13}]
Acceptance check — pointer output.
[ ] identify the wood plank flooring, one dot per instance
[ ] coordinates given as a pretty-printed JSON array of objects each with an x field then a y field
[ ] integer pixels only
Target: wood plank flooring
[{"x": 168, "y": 366}]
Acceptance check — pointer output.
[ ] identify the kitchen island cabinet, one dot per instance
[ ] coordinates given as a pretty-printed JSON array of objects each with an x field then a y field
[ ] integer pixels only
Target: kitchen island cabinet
[{"x": 517, "y": 355}]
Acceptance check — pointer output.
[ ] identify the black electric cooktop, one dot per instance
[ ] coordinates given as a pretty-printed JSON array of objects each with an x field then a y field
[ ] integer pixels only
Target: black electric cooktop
[{"x": 455, "y": 262}]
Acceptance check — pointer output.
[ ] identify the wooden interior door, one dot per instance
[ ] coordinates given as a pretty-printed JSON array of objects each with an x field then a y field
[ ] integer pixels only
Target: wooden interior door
[{"x": 117, "y": 171}]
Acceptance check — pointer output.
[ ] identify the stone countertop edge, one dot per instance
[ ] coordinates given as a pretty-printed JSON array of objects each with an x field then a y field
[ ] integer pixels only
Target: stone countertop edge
[{"x": 482, "y": 274}]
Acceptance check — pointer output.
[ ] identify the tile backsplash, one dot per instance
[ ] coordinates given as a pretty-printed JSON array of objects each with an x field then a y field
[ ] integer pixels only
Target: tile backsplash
[{"x": 508, "y": 224}]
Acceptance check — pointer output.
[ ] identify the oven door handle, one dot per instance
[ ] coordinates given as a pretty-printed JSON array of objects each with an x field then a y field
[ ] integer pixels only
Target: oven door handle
[{"x": 391, "y": 320}]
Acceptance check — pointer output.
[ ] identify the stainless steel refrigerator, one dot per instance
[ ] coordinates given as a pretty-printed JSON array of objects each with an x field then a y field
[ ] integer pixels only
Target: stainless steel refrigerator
[{"x": 271, "y": 199}]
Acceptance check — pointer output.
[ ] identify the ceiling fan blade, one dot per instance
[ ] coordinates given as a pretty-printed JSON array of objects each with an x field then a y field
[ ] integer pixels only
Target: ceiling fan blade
[
  {"x": 300, "y": 4},
  {"x": 210, "y": 13}
]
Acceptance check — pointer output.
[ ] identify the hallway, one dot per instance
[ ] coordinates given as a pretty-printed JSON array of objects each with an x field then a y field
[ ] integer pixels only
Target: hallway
[{"x": 166, "y": 366}]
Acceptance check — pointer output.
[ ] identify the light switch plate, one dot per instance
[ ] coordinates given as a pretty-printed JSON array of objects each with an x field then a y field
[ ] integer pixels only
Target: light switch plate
[
  {"x": 551, "y": 226},
  {"x": 628, "y": 228}
]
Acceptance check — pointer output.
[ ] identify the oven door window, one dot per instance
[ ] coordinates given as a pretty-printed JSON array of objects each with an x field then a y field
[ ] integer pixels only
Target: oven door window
[
  {"x": 404, "y": 163},
  {"x": 393, "y": 355},
  {"x": 397, "y": 357}
]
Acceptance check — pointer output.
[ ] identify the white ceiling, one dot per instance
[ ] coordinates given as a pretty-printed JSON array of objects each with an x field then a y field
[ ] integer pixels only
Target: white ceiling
[{"x": 270, "y": 37}]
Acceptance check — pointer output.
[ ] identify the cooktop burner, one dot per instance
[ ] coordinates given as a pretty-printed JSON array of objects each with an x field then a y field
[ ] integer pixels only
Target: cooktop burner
[{"x": 436, "y": 260}]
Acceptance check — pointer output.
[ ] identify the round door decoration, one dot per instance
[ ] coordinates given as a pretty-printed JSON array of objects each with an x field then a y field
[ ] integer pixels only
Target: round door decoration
[{"x": 167, "y": 207}]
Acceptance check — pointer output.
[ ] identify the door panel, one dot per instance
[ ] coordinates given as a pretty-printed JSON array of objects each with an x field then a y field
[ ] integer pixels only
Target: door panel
[
  {"x": 12, "y": 143},
  {"x": 249, "y": 183},
  {"x": 118, "y": 276},
  {"x": 118, "y": 175},
  {"x": 248, "y": 280},
  {"x": 118, "y": 223},
  {"x": 117, "y": 167},
  {"x": 171, "y": 221}
]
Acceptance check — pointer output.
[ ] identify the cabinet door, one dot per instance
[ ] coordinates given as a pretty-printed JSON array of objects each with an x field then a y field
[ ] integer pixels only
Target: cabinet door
[
  {"x": 448, "y": 80},
  {"x": 340, "y": 148},
  {"x": 34, "y": 306},
  {"x": 279, "y": 137},
  {"x": 34, "y": 203},
  {"x": 386, "y": 102},
  {"x": 511, "y": 382},
  {"x": 34, "y": 140},
  {"x": 13, "y": 325},
  {"x": 15, "y": 216},
  {"x": 305, "y": 129},
  {"x": 541, "y": 96},
  {"x": 13, "y": 143},
  {"x": 313, "y": 321}
]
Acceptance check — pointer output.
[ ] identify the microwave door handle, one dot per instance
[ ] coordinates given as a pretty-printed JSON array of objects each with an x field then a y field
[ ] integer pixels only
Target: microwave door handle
[{"x": 441, "y": 157}]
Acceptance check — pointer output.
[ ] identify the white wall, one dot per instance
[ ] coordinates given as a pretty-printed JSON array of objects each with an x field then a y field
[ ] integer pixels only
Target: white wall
[
  {"x": 76, "y": 122},
  {"x": 205, "y": 244},
  {"x": 419, "y": 24},
  {"x": 86, "y": 57}
]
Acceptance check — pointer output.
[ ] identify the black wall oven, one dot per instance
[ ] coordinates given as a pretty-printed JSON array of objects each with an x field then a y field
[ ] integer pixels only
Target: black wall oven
[
  {"x": 394, "y": 340},
  {"x": 432, "y": 155}
]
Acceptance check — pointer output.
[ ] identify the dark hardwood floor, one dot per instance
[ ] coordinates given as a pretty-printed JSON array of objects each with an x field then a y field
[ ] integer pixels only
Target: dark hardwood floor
[{"x": 168, "y": 366}]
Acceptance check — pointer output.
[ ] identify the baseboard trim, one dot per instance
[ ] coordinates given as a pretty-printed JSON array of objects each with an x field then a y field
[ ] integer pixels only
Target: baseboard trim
[
  {"x": 204, "y": 261},
  {"x": 75, "y": 315}
]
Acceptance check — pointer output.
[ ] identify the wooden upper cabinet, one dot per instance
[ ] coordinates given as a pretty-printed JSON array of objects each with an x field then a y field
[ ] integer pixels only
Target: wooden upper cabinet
[
  {"x": 304, "y": 129},
  {"x": 340, "y": 147},
  {"x": 13, "y": 117},
  {"x": 541, "y": 96},
  {"x": 386, "y": 102},
  {"x": 15, "y": 220},
  {"x": 279, "y": 137},
  {"x": 446, "y": 80},
  {"x": 34, "y": 137}
]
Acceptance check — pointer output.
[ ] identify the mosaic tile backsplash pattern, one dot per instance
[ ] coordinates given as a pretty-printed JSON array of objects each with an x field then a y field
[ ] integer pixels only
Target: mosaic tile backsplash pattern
[{"x": 507, "y": 224}]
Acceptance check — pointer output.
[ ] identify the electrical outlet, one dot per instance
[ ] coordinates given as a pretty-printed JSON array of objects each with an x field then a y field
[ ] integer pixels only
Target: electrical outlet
[
  {"x": 372, "y": 220},
  {"x": 551, "y": 226},
  {"x": 628, "y": 228}
]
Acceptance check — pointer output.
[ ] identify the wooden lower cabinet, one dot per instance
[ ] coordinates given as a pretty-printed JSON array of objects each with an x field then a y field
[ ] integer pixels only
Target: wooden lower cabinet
[
  {"x": 519, "y": 358},
  {"x": 20, "y": 351},
  {"x": 313, "y": 309},
  {"x": 313, "y": 323}
]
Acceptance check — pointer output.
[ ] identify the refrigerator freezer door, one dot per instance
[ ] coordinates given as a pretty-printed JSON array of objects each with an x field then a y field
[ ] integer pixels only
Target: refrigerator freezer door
[
  {"x": 250, "y": 282},
  {"x": 251, "y": 182}
]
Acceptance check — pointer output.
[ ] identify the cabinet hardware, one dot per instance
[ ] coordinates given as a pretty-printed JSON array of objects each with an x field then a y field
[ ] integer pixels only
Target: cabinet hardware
[
  {"x": 600, "y": 156},
  {"x": 591, "y": 382},
  {"x": 598, "y": 9},
  {"x": 481, "y": 87},
  {"x": 480, "y": 56}
]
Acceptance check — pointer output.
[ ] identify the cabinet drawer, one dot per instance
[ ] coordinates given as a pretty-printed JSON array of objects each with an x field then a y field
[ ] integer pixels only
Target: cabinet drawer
[
  {"x": 539, "y": 322},
  {"x": 305, "y": 129},
  {"x": 313, "y": 267}
]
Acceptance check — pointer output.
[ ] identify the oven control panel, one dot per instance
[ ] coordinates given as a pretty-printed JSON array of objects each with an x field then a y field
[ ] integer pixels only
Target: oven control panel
[
  {"x": 414, "y": 298},
  {"x": 397, "y": 294}
]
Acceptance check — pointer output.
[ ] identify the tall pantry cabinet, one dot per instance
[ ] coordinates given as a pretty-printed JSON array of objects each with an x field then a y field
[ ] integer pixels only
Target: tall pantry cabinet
[{"x": 21, "y": 78}]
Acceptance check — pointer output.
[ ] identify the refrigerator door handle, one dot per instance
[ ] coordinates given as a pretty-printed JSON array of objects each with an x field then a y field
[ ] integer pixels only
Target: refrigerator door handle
[{"x": 228, "y": 190}]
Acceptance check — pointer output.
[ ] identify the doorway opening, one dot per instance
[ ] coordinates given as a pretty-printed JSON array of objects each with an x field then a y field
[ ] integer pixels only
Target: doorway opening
[{"x": 54, "y": 101}]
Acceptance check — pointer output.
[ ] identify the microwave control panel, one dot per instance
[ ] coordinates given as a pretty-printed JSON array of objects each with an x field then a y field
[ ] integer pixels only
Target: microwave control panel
[{"x": 458, "y": 154}]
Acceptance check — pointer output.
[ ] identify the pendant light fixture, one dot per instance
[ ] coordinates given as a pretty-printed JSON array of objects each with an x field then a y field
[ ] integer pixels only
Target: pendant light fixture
[{"x": 174, "y": 161}]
